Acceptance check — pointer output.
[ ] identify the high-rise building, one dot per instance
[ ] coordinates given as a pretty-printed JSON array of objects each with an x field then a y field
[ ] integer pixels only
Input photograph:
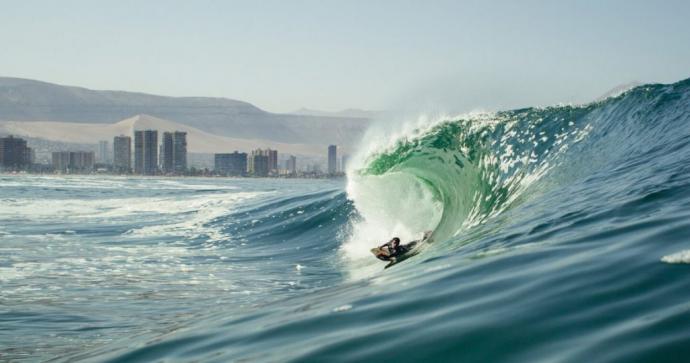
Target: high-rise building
[
  {"x": 150, "y": 152},
  {"x": 14, "y": 154},
  {"x": 146, "y": 152},
  {"x": 174, "y": 152},
  {"x": 167, "y": 153},
  {"x": 73, "y": 161},
  {"x": 179, "y": 152},
  {"x": 160, "y": 157},
  {"x": 343, "y": 163},
  {"x": 291, "y": 165},
  {"x": 60, "y": 161},
  {"x": 272, "y": 160},
  {"x": 122, "y": 154},
  {"x": 258, "y": 164},
  {"x": 103, "y": 154},
  {"x": 82, "y": 161},
  {"x": 332, "y": 159},
  {"x": 138, "y": 152},
  {"x": 271, "y": 163},
  {"x": 231, "y": 164}
]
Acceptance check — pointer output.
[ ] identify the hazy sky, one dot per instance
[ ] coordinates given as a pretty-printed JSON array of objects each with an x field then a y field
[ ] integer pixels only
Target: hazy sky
[{"x": 283, "y": 55}]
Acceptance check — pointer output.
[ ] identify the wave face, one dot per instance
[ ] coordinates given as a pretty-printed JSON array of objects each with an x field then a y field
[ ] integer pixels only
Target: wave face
[
  {"x": 561, "y": 234},
  {"x": 475, "y": 167},
  {"x": 459, "y": 173}
]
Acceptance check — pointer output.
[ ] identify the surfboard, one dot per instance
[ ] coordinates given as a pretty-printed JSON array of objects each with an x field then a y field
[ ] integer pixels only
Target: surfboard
[{"x": 400, "y": 258}]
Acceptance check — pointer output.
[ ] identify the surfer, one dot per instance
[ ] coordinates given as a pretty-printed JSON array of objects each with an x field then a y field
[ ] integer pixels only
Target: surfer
[
  {"x": 393, "y": 251},
  {"x": 394, "y": 248}
]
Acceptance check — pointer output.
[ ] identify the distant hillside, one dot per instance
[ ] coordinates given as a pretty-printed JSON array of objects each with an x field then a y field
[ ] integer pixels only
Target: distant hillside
[{"x": 28, "y": 100}]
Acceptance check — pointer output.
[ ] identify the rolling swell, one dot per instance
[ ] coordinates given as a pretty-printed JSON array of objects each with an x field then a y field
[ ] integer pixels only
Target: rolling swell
[{"x": 552, "y": 224}]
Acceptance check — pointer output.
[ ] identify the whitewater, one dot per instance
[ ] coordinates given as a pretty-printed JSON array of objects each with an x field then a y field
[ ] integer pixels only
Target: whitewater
[{"x": 560, "y": 234}]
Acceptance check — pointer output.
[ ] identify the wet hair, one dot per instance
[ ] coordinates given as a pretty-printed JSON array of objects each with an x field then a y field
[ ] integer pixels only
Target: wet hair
[{"x": 396, "y": 240}]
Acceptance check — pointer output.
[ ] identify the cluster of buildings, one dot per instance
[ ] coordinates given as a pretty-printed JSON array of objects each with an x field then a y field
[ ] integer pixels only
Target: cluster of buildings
[
  {"x": 150, "y": 158},
  {"x": 264, "y": 163},
  {"x": 73, "y": 161},
  {"x": 260, "y": 163},
  {"x": 15, "y": 155},
  {"x": 145, "y": 154}
]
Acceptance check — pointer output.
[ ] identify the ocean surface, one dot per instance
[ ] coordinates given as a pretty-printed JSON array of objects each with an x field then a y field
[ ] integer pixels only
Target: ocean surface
[{"x": 561, "y": 234}]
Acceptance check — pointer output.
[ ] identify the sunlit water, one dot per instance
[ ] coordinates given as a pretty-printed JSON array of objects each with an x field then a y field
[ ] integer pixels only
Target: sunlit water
[{"x": 87, "y": 260}]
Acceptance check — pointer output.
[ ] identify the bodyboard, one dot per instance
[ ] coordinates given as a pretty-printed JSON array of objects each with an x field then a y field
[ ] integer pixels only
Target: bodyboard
[{"x": 381, "y": 253}]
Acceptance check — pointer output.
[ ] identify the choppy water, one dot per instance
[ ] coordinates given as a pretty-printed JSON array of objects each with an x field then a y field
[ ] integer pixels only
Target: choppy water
[
  {"x": 562, "y": 234},
  {"x": 88, "y": 261}
]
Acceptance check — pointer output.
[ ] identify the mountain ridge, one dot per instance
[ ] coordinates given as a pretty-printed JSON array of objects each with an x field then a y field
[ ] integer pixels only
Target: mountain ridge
[{"x": 26, "y": 100}]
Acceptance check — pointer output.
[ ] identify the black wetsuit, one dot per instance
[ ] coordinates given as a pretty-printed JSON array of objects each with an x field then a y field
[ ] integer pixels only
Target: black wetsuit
[
  {"x": 399, "y": 250},
  {"x": 403, "y": 249}
]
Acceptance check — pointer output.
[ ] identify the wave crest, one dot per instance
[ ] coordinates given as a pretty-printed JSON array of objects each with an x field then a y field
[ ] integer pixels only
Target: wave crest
[{"x": 451, "y": 173}]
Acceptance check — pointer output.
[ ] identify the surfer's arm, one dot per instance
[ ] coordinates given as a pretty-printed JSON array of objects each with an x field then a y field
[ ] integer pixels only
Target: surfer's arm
[{"x": 387, "y": 246}]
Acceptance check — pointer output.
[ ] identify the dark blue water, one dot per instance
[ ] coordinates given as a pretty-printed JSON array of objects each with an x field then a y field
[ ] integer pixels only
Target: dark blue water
[{"x": 561, "y": 234}]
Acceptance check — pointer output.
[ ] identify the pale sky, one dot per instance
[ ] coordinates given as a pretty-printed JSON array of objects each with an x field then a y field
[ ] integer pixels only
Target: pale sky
[{"x": 330, "y": 55}]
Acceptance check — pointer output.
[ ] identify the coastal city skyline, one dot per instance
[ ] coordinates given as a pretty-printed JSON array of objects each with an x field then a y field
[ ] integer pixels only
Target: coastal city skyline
[{"x": 143, "y": 154}]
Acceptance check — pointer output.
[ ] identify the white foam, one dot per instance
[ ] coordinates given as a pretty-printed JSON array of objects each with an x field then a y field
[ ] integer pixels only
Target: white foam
[
  {"x": 678, "y": 257},
  {"x": 182, "y": 213},
  {"x": 342, "y": 308},
  {"x": 392, "y": 205},
  {"x": 194, "y": 214}
]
